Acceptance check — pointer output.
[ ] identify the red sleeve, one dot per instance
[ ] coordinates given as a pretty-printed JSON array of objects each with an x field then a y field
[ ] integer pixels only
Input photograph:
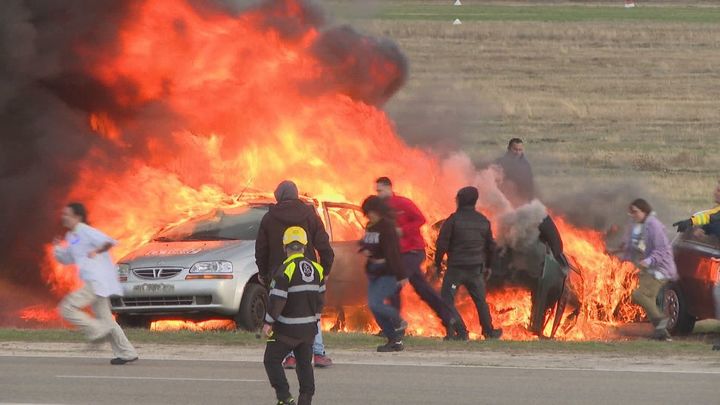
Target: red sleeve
[{"x": 414, "y": 219}]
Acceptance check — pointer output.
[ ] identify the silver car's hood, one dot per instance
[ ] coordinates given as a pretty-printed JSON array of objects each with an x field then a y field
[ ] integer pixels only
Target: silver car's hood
[{"x": 185, "y": 254}]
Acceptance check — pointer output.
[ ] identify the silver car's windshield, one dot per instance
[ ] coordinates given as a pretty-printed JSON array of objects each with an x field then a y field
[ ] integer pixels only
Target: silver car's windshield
[{"x": 230, "y": 224}]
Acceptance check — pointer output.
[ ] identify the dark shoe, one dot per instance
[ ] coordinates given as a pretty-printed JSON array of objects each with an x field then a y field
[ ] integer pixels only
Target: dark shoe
[
  {"x": 289, "y": 363},
  {"x": 494, "y": 334},
  {"x": 390, "y": 346},
  {"x": 459, "y": 338},
  {"x": 117, "y": 361},
  {"x": 288, "y": 401},
  {"x": 321, "y": 361}
]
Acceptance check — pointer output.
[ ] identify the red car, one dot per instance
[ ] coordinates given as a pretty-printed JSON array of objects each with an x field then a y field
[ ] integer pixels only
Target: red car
[{"x": 697, "y": 256}]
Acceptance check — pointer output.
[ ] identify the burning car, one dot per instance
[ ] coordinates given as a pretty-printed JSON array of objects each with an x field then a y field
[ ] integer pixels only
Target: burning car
[
  {"x": 205, "y": 266},
  {"x": 690, "y": 298}
]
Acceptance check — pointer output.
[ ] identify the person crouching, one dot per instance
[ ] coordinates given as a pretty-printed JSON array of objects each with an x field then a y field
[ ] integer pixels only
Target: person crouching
[{"x": 291, "y": 323}]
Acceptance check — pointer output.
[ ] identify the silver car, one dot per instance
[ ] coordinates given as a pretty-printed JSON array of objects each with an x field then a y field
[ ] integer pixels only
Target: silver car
[{"x": 205, "y": 267}]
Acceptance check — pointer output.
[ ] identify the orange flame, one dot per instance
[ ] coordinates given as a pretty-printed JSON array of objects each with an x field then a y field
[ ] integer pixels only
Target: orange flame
[{"x": 241, "y": 114}]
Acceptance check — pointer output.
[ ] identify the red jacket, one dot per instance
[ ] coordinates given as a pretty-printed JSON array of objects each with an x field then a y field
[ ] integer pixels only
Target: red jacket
[{"x": 409, "y": 219}]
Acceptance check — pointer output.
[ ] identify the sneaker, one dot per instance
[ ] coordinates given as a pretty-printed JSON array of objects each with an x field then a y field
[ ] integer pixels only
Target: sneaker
[
  {"x": 287, "y": 401},
  {"x": 494, "y": 334},
  {"x": 117, "y": 361},
  {"x": 390, "y": 346},
  {"x": 322, "y": 361},
  {"x": 289, "y": 363}
]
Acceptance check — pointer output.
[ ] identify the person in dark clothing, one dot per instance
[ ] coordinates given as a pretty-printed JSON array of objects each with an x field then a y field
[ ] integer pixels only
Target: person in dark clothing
[
  {"x": 384, "y": 269},
  {"x": 409, "y": 220},
  {"x": 518, "y": 184},
  {"x": 466, "y": 237},
  {"x": 291, "y": 323},
  {"x": 270, "y": 254}
]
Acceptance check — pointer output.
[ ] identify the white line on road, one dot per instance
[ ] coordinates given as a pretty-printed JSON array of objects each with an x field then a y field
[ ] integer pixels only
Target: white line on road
[{"x": 113, "y": 377}]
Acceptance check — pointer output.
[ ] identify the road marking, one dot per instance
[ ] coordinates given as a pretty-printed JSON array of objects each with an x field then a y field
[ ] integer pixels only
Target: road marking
[{"x": 113, "y": 377}]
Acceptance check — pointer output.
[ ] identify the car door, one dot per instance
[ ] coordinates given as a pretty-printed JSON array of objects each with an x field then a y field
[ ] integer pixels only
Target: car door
[
  {"x": 347, "y": 283},
  {"x": 698, "y": 260}
]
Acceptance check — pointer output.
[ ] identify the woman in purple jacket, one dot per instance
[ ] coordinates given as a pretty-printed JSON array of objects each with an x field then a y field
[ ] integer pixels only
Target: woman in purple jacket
[{"x": 647, "y": 246}]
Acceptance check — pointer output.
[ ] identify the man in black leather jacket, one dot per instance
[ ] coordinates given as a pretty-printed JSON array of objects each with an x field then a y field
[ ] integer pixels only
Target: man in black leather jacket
[{"x": 466, "y": 238}]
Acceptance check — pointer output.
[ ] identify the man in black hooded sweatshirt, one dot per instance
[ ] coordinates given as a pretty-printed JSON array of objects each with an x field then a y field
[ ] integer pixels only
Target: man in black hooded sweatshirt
[
  {"x": 270, "y": 253},
  {"x": 466, "y": 238}
]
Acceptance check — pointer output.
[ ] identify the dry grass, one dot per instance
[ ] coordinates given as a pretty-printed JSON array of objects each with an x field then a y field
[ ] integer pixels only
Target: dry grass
[{"x": 595, "y": 100}]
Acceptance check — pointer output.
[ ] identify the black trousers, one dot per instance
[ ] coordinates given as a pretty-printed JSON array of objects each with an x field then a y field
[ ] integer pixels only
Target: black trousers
[
  {"x": 275, "y": 352},
  {"x": 471, "y": 277},
  {"x": 413, "y": 261}
]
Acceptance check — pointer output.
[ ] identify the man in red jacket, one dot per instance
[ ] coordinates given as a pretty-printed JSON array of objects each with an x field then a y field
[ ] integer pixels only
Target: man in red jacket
[{"x": 409, "y": 219}]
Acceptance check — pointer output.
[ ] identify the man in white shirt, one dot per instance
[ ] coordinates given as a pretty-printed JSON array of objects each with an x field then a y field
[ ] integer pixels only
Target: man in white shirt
[{"x": 87, "y": 248}]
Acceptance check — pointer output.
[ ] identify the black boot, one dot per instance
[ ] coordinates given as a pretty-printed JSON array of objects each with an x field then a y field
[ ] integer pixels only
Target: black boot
[
  {"x": 391, "y": 346},
  {"x": 493, "y": 334}
]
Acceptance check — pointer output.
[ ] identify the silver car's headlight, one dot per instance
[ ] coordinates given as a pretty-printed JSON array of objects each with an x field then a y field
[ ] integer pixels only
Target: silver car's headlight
[{"x": 212, "y": 267}]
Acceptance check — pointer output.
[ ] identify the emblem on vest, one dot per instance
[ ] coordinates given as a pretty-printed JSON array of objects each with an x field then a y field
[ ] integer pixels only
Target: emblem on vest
[{"x": 307, "y": 271}]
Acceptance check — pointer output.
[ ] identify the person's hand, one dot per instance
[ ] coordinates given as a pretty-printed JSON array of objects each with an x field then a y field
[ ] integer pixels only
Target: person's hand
[
  {"x": 488, "y": 274},
  {"x": 401, "y": 283},
  {"x": 92, "y": 254},
  {"x": 399, "y": 231},
  {"x": 683, "y": 225},
  {"x": 267, "y": 330},
  {"x": 435, "y": 269}
]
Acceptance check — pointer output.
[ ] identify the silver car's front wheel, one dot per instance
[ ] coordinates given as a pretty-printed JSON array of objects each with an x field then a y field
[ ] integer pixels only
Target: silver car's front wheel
[{"x": 252, "y": 307}]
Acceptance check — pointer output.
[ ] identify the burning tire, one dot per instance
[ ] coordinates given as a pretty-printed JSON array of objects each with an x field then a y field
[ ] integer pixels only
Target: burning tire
[
  {"x": 680, "y": 322},
  {"x": 252, "y": 307}
]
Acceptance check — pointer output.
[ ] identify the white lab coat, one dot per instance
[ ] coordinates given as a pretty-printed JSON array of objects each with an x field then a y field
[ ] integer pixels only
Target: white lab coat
[{"x": 100, "y": 272}]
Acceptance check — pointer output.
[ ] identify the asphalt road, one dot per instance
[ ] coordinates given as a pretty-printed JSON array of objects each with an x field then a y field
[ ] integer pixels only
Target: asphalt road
[{"x": 58, "y": 380}]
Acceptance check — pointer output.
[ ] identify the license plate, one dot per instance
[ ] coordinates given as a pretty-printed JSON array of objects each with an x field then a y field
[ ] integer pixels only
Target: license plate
[{"x": 153, "y": 288}]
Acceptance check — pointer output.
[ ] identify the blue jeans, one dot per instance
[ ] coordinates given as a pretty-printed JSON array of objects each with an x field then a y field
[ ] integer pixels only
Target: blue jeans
[
  {"x": 387, "y": 316},
  {"x": 318, "y": 345}
]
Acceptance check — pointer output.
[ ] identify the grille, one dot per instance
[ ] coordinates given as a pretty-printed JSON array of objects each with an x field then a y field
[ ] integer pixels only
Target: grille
[
  {"x": 157, "y": 273},
  {"x": 166, "y": 301}
]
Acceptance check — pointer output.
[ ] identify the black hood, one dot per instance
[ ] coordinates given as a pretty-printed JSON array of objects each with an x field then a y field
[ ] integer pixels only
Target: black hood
[{"x": 292, "y": 212}]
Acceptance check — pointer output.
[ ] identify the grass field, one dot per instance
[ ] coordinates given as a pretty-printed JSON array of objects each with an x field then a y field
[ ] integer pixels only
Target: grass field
[
  {"x": 602, "y": 95},
  {"x": 356, "y": 341}
]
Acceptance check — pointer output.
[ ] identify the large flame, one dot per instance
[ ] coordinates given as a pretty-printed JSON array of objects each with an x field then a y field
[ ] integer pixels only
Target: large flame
[{"x": 232, "y": 102}]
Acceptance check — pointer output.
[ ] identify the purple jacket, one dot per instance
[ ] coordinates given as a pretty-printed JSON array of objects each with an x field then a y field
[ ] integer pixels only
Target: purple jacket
[{"x": 658, "y": 251}]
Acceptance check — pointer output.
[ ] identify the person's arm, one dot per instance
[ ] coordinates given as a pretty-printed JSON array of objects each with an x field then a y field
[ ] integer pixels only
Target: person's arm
[
  {"x": 390, "y": 245},
  {"x": 443, "y": 241},
  {"x": 262, "y": 252},
  {"x": 701, "y": 218},
  {"x": 321, "y": 295},
  {"x": 490, "y": 248},
  {"x": 321, "y": 242},
  {"x": 101, "y": 242},
  {"x": 61, "y": 253},
  {"x": 414, "y": 219},
  {"x": 277, "y": 298}
]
